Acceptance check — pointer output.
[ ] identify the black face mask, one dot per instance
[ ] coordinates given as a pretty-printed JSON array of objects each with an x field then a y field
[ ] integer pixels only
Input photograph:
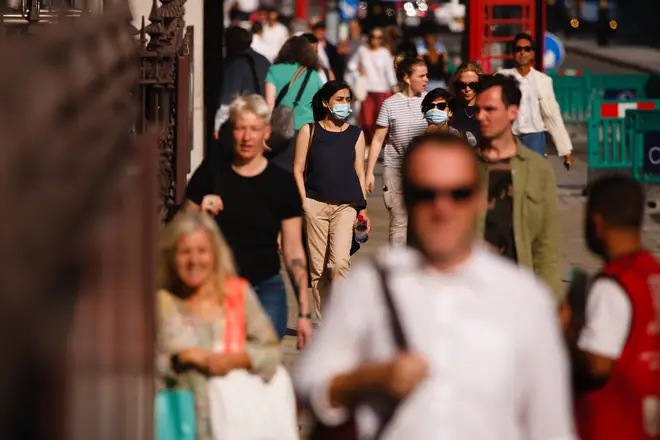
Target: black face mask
[{"x": 594, "y": 243}]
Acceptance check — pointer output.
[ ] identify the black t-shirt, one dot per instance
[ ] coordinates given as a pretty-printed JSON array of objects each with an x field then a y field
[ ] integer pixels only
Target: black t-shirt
[
  {"x": 254, "y": 208},
  {"x": 499, "y": 218},
  {"x": 465, "y": 121}
]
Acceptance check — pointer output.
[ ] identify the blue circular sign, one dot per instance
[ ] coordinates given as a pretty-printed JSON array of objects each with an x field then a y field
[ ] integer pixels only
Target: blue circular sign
[
  {"x": 555, "y": 53},
  {"x": 348, "y": 9}
]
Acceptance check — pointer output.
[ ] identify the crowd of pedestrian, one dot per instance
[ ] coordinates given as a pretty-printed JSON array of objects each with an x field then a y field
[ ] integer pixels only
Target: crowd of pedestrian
[{"x": 461, "y": 327}]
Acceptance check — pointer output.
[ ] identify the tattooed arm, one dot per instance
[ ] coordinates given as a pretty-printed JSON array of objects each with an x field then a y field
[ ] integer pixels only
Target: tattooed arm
[{"x": 296, "y": 264}]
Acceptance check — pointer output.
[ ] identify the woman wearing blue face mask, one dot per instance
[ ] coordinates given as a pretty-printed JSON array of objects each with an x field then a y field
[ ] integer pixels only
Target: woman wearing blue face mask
[{"x": 329, "y": 171}]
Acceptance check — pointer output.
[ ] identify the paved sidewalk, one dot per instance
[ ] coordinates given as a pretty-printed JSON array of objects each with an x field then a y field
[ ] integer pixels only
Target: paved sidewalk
[{"x": 640, "y": 58}]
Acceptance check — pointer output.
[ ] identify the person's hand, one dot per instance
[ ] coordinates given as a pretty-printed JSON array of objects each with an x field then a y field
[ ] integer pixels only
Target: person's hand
[
  {"x": 220, "y": 364},
  {"x": 370, "y": 181},
  {"x": 568, "y": 161},
  {"x": 366, "y": 218},
  {"x": 305, "y": 330},
  {"x": 216, "y": 135},
  {"x": 212, "y": 203},
  {"x": 197, "y": 357},
  {"x": 406, "y": 371}
]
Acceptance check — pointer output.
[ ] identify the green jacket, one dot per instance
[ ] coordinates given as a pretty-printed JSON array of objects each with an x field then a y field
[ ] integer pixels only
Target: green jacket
[{"x": 535, "y": 218}]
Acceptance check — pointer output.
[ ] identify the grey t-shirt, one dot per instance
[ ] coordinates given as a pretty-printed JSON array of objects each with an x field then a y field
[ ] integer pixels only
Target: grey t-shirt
[{"x": 403, "y": 117}]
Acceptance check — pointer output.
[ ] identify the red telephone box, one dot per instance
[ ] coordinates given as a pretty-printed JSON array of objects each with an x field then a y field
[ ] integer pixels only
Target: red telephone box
[{"x": 494, "y": 23}]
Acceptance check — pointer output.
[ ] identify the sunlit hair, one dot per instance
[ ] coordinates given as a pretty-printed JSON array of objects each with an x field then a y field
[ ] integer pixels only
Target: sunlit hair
[
  {"x": 249, "y": 103},
  {"x": 186, "y": 223},
  {"x": 406, "y": 66},
  {"x": 470, "y": 66}
]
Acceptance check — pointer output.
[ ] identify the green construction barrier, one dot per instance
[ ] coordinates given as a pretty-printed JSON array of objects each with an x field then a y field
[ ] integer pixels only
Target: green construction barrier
[
  {"x": 608, "y": 144},
  {"x": 610, "y": 86},
  {"x": 573, "y": 94},
  {"x": 643, "y": 136},
  {"x": 577, "y": 89}
]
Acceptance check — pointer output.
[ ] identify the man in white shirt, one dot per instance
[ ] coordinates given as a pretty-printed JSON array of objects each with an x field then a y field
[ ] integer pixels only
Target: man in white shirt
[
  {"x": 258, "y": 43},
  {"x": 275, "y": 33},
  {"x": 539, "y": 111},
  {"x": 486, "y": 358}
]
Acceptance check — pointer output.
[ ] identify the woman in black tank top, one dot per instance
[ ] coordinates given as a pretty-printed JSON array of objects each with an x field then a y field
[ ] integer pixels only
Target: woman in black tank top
[{"x": 329, "y": 171}]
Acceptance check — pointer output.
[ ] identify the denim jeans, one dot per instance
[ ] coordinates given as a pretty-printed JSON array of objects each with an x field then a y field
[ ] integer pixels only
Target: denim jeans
[
  {"x": 272, "y": 295},
  {"x": 534, "y": 141}
]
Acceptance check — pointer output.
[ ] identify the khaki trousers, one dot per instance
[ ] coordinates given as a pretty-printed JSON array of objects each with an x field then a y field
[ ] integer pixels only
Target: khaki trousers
[
  {"x": 329, "y": 230},
  {"x": 393, "y": 198}
]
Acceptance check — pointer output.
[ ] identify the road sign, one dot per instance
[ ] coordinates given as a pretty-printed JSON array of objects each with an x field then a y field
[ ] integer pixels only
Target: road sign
[
  {"x": 348, "y": 9},
  {"x": 652, "y": 152},
  {"x": 555, "y": 53}
]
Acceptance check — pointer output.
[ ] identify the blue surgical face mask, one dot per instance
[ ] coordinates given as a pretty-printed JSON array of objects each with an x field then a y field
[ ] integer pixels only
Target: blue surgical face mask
[
  {"x": 437, "y": 117},
  {"x": 341, "y": 111}
]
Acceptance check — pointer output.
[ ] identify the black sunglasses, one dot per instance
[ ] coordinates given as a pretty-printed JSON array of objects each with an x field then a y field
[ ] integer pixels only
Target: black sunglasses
[
  {"x": 523, "y": 48},
  {"x": 416, "y": 195},
  {"x": 474, "y": 85},
  {"x": 439, "y": 106}
]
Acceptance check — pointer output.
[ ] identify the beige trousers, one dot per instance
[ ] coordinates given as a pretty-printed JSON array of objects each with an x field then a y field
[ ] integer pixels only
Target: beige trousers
[
  {"x": 393, "y": 198},
  {"x": 329, "y": 230}
]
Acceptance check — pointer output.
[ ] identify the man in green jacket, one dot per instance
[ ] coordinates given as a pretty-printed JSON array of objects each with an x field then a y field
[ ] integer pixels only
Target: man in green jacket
[{"x": 521, "y": 221}]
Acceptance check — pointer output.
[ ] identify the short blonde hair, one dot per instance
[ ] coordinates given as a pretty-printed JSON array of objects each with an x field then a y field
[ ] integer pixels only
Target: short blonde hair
[
  {"x": 185, "y": 223},
  {"x": 249, "y": 103}
]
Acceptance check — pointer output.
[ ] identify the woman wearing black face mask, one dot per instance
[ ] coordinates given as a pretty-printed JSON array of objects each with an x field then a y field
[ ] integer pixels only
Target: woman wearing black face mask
[{"x": 329, "y": 171}]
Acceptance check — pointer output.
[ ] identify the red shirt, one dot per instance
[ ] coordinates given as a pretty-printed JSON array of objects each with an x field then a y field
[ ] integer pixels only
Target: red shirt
[{"x": 628, "y": 406}]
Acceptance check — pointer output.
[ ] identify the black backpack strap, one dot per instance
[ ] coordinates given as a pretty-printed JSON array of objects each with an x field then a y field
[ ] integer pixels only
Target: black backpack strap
[
  {"x": 302, "y": 87},
  {"x": 285, "y": 89}
]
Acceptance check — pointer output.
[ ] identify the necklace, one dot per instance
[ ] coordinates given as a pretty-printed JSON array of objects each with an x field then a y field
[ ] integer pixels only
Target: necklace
[{"x": 467, "y": 114}]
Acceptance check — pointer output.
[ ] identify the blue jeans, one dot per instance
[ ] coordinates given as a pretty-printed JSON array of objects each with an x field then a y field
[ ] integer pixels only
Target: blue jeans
[
  {"x": 534, "y": 141},
  {"x": 272, "y": 295}
]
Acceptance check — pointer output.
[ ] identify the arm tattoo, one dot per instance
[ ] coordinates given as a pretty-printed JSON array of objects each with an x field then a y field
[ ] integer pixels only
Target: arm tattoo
[{"x": 297, "y": 270}]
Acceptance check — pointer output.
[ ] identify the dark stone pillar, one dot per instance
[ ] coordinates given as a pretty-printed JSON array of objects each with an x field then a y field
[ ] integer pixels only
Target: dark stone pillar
[{"x": 213, "y": 64}]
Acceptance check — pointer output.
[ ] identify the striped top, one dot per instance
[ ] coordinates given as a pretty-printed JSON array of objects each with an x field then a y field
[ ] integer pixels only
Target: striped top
[{"x": 404, "y": 119}]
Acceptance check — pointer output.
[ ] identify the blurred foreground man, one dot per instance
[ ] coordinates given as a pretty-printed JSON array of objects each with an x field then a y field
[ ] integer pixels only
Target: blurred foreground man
[
  {"x": 615, "y": 347},
  {"x": 485, "y": 360}
]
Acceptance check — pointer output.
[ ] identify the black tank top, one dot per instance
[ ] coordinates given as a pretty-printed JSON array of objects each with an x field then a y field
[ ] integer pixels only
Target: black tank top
[{"x": 331, "y": 175}]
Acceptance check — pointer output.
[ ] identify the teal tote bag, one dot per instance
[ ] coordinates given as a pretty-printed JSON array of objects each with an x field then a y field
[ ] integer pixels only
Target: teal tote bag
[{"x": 175, "y": 415}]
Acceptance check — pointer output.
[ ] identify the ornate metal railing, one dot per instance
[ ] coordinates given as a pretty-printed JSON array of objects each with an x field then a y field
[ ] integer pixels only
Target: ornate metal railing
[{"x": 166, "y": 96}]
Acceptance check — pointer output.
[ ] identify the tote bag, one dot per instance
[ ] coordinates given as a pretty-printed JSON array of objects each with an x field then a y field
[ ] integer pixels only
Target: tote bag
[
  {"x": 174, "y": 412},
  {"x": 244, "y": 406}
]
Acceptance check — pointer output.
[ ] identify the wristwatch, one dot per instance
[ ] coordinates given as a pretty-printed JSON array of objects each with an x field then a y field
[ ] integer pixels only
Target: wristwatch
[{"x": 305, "y": 315}]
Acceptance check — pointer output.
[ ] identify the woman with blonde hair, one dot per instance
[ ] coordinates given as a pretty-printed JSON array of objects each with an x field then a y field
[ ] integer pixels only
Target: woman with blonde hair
[
  {"x": 210, "y": 322},
  {"x": 465, "y": 85}
]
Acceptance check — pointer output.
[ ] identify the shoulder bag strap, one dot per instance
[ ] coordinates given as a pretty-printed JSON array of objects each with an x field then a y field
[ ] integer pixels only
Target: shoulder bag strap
[
  {"x": 302, "y": 88},
  {"x": 399, "y": 339},
  {"x": 312, "y": 127},
  {"x": 285, "y": 89},
  {"x": 397, "y": 329}
]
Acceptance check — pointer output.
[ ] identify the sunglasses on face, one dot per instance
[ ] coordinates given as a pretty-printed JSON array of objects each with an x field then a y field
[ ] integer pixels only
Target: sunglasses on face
[
  {"x": 416, "y": 194},
  {"x": 519, "y": 49},
  {"x": 439, "y": 106},
  {"x": 376, "y": 37},
  {"x": 472, "y": 85}
]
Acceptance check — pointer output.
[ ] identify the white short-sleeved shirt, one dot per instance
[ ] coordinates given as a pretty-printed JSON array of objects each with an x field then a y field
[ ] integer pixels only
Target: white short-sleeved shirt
[
  {"x": 608, "y": 319},
  {"x": 403, "y": 117}
]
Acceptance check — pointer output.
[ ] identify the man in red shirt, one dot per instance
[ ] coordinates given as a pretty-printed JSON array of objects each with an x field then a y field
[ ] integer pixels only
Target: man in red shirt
[{"x": 615, "y": 346}]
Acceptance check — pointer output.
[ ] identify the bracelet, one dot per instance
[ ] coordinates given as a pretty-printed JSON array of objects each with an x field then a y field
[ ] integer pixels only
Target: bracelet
[{"x": 305, "y": 315}]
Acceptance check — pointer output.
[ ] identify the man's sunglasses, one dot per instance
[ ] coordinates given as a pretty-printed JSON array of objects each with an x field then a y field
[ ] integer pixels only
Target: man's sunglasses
[
  {"x": 464, "y": 85},
  {"x": 415, "y": 194},
  {"x": 518, "y": 49},
  {"x": 439, "y": 106}
]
